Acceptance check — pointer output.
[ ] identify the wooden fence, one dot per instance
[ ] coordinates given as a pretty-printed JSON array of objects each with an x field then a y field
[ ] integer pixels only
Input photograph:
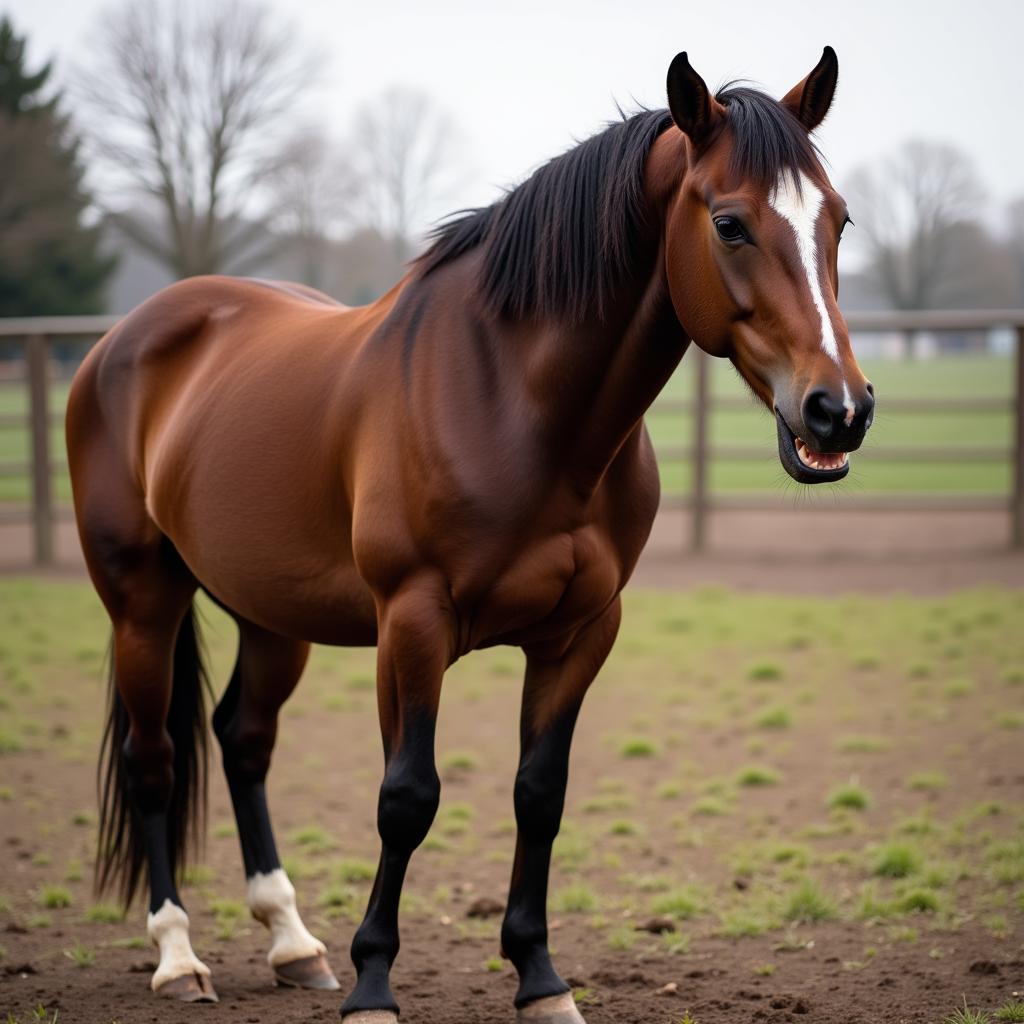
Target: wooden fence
[{"x": 37, "y": 336}]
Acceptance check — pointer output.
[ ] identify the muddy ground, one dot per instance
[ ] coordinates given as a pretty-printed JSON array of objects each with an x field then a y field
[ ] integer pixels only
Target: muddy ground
[{"x": 825, "y": 796}]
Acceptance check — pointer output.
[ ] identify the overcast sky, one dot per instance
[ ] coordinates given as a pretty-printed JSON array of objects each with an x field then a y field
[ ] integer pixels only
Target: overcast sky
[{"x": 523, "y": 79}]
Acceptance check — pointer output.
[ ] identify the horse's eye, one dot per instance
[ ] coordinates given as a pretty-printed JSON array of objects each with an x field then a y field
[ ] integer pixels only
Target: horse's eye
[{"x": 730, "y": 230}]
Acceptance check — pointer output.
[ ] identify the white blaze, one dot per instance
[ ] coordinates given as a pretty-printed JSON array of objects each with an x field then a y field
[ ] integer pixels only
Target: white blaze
[
  {"x": 168, "y": 929},
  {"x": 272, "y": 902},
  {"x": 801, "y": 210}
]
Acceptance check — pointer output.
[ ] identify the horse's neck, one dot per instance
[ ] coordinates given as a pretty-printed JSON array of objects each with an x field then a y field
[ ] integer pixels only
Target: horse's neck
[
  {"x": 631, "y": 359},
  {"x": 594, "y": 383}
]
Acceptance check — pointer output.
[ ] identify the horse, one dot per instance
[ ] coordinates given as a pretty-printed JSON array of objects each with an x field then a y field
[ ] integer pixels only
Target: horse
[{"x": 459, "y": 464}]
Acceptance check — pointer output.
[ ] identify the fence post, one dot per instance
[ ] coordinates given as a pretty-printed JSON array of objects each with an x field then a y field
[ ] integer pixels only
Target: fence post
[
  {"x": 1017, "y": 501},
  {"x": 700, "y": 450},
  {"x": 37, "y": 353}
]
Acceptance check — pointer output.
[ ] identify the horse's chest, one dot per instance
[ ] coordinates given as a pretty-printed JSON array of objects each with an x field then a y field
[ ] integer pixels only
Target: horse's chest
[{"x": 547, "y": 591}]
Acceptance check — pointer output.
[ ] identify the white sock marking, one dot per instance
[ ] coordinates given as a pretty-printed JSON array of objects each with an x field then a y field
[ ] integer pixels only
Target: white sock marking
[
  {"x": 801, "y": 210},
  {"x": 168, "y": 929},
  {"x": 272, "y": 902}
]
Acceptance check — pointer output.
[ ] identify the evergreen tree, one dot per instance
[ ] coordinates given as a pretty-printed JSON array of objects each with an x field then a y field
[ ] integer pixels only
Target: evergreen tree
[{"x": 50, "y": 260}]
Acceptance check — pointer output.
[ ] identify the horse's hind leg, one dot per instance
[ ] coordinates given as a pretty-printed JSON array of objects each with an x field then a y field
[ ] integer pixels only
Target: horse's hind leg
[
  {"x": 245, "y": 722},
  {"x": 155, "y": 739},
  {"x": 552, "y": 696}
]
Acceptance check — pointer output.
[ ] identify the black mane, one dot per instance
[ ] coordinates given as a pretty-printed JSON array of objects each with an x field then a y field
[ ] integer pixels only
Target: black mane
[{"x": 561, "y": 242}]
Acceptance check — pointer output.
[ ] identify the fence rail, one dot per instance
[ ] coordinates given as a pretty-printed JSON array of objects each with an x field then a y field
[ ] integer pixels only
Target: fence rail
[{"x": 37, "y": 335}]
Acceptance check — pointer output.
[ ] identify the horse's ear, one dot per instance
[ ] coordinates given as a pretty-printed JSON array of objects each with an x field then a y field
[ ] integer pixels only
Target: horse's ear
[
  {"x": 694, "y": 110},
  {"x": 810, "y": 99}
]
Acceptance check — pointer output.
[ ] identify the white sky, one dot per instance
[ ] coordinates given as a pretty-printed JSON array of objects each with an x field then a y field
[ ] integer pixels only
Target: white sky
[{"x": 523, "y": 79}]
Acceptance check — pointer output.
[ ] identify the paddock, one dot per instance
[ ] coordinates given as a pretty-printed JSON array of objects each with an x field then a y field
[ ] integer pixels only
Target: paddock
[{"x": 819, "y": 798}]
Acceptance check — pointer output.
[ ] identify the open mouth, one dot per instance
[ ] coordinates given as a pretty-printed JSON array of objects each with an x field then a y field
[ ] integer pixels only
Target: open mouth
[{"x": 803, "y": 463}]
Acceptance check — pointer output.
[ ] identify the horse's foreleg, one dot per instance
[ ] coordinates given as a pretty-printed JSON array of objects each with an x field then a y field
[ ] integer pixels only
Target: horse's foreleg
[
  {"x": 552, "y": 696},
  {"x": 245, "y": 722},
  {"x": 413, "y": 652}
]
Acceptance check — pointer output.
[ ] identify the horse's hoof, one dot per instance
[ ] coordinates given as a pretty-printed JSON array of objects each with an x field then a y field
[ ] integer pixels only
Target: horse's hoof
[
  {"x": 370, "y": 1017},
  {"x": 559, "y": 1009},
  {"x": 189, "y": 988},
  {"x": 306, "y": 972}
]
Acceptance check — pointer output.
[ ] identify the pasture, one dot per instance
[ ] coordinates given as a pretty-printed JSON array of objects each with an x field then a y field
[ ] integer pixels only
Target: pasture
[
  {"x": 967, "y": 376},
  {"x": 779, "y": 809}
]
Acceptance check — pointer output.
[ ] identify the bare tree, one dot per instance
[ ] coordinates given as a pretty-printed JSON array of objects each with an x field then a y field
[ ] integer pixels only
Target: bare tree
[
  {"x": 406, "y": 148},
  {"x": 914, "y": 213},
  {"x": 314, "y": 191},
  {"x": 182, "y": 105}
]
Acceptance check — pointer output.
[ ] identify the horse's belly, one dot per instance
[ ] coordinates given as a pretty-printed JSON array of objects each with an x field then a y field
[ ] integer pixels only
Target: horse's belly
[
  {"x": 306, "y": 594},
  {"x": 275, "y": 555}
]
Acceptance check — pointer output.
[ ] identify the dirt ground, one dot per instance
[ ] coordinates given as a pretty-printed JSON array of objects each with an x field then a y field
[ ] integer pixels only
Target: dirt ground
[{"x": 915, "y": 701}]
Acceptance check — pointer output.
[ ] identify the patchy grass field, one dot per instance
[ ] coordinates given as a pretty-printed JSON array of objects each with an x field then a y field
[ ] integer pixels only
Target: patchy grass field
[{"x": 780, "y": 809}]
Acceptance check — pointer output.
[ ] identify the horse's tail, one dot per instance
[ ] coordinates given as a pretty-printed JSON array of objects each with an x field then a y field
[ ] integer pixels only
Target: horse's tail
[{"x": 122, "y": 853}]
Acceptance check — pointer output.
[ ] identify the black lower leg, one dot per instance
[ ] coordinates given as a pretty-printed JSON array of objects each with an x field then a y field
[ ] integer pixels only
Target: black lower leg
[
  {"x": 158, "y": 857},
  {"x": 408, "y": 802},
  {"x": 247, "y": 741},
  {"x": 150, "y": 783},
  {"x": 255, "y": 834},
  {"x": 539, "y": 799}
]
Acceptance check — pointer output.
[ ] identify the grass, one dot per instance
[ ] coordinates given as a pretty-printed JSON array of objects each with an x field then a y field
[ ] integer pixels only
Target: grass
[
  {"x": 574, "y": 899},
  {"x": 919, "y": 901},
  {"x": 623, "y": 827},
  {"x": 710, "y": 807},
  {"x": 353, "y": 870},
  {"x": 965, "y": 1015},
  {"x": 765, "y": 671},
  {"x": 622, "y": 939},
  {"x": 81, "y": 956},
  {"x": 862, "y": 744},
  {"x": 807, "y": 904},
  {"x": 1011, "y": 1012},
  {"x": 742, "y": 923},
  {"x": 682, "y": 904},
  {"x": 757, "y": 775},
  {"x": 337, "y": 895},
  {"x": 774, "y": 718},
  {"x": 312, "y": 838},
  {"x": 638, "y": 746},
  {"x": 850, "y": 796},
  {"x": 458, "y": 761},
  {"x": 54, "y": 897},
  {"x": 104, "y": 913},
  {"x": 927, "y": 782},
  {"x": 896, "y": 860}
]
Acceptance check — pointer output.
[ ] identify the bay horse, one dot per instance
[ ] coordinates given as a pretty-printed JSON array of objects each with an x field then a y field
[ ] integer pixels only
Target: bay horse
[{"x": 459, "y": 464}]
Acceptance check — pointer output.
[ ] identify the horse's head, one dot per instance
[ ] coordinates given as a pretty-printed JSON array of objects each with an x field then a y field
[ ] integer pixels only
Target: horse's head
[{"x": 751, "y": 241}]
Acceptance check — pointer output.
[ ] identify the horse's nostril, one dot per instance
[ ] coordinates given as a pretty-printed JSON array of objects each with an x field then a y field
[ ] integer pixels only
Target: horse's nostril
[{"x": 820, "y": 414}]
